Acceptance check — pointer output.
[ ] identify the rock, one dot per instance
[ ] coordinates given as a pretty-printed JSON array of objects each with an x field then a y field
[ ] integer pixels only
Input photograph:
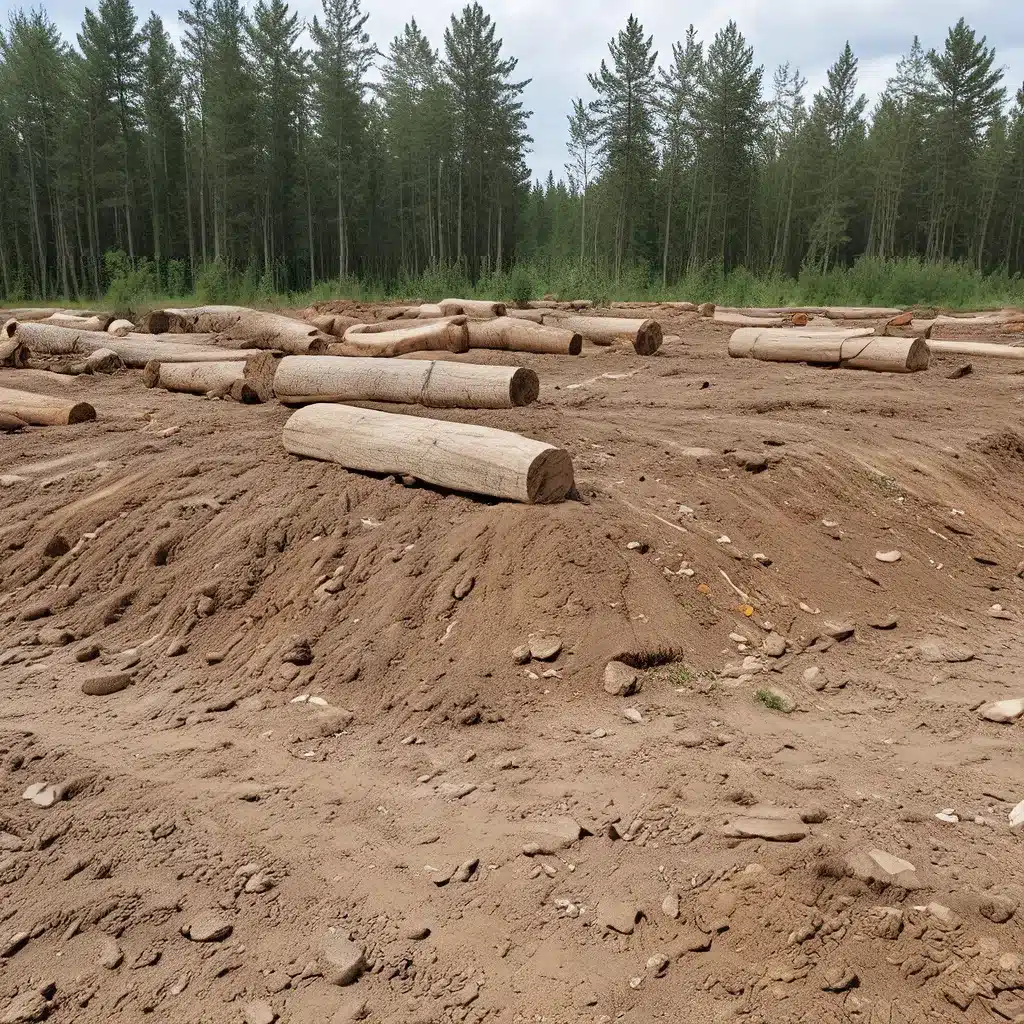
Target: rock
[
  {"x": 670, "y": 905},
  {"x": 464, "y": 872},
  {"x": 1017, "y": 815},
  {"x": 814, "y": 815},
  {"x": 39, "y": 610},
  {"x": 775, "y": 830},
  {"x": 882, "y": 868},
  {"x": 349, "y": 1012},
  {"x": 657, "y": 964},
  {"x": 9, "y": 843},
  {"x": 620, "y": 680},
  {"x": 838, "y": 630},
  {"x": 545, "y": 649},
  {"x": 814, "y": 677},
  {"x": 463, "y": 587},
  {"x": 936, "y": 650},
  {"x": 176, "y": 649},
  {"x": 258, "y": 1012},
  {"x": 691, "y": 940},
  {"x": 345, "y": 959},
  {"x": 839, "y": 979},
  {"x": 51, "y": 636},
  {"x": 888, "y": 556},
  {"x": 632, "y": 715},
  {"x": 1003, "y": 711},
  {"x": 26, "y": 1008},
  {"x": 774, "y": 645},
  {"x": 616, "y": 916},
  {"x": 997, "y": 908},
  {"x": 208, "y": 926},
  {"x": 521, "y": 654},
  {"x": 110, "y": 954},
  {"x": 13, "y": 944},
  {"x": 89, "y": 653},
  {"x": 297, "y": 651},
  {"x": 884, "y": 622},
  {"x": 260, "y": 882},
  {"x": 752, "y": 462},
  {"x": 415, "y": 931},
  {"x": 106, "y": 683},
  {"x": 552, "y": 836},
  {"x": 41, "y": 794},
  {"x": 689, "y": 738}
]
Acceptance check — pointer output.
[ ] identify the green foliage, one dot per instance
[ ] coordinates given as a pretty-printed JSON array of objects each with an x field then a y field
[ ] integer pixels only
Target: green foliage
[
  {"x": 521, "y": 286},
  {"x": 128, "y": 281},
  {"x": 770, "y": 700}
]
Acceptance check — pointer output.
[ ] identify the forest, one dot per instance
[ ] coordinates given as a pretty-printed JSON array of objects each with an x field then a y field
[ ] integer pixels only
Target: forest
[{"x": 260, "y": 155}]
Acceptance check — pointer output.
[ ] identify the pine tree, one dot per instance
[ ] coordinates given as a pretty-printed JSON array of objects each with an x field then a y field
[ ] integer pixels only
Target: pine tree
[{"x": 585, "y": 161}]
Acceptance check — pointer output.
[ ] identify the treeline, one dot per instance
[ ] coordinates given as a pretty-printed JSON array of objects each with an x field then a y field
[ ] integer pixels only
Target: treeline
[{"x": 243, "y": 156}]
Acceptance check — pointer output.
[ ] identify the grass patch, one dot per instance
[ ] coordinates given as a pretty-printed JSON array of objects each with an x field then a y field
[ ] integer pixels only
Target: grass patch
[
  {"x": 770, "y": 700},
  {"x": 681, "y": 675}
]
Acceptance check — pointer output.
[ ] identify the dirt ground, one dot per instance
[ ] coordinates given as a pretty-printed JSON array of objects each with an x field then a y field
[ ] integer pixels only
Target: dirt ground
[{"x": 329, "y": 766}]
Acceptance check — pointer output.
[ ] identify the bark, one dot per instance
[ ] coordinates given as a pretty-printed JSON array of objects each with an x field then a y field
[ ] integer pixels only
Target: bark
[
  {"x": 334, "y": 324},
  {"x": 441, "y": 385},
  {"x": 459, "y": 456},
  {"x": 471, "y": 307},
  {"x": 119, "y": 328},
  {"x": 44, "y": 410},
  {"x": 99, "y": 322},
  {"x": 240, "y": 323}
]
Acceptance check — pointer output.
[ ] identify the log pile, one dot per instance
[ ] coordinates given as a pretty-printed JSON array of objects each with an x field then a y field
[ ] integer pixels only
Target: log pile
[{"x": 253, "y": 328}]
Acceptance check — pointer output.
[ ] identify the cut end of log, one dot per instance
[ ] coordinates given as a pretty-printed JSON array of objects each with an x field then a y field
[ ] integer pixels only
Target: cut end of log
[
  {"x": 550, "y": 477},
  {"x": 524, "y": 388},
  {"x": 576, "y": 344},
  {"x": 81, "y": 412},
  {"x": 151, "y": 373},
  {"x": 155, "y": 322},
  {"x": 10, "y": 328},
  {"x": 919, "y": 355},
  {"x": 648, "y": 338}
]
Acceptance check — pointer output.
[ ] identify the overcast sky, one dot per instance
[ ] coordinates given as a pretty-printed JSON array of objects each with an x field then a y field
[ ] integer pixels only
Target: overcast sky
[{"x": 558, "y": 42}]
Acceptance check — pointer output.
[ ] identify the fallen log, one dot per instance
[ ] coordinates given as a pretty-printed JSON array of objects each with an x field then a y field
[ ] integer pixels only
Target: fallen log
[
  {"x": 120, "y": 328},
  {"x": 680, "y": 307},
  {"x": 250, "y": 381},
  {"x": 730, "y": 319},
  {"x": 706, "y": 309},
  {"x": 459, "y": 456},
  {"x": 853, "y": 349},
  {"x": 12, "y": 352},
  {"x": 97, "y": 322},
  {"x": 644, "y": 335},
  {"x": 533, "y": 315},
  {"x": 510, "y": 335},
  {"x": 31, "y": 314},
  {"x": 256, "y": 328},
  {"x": 987, "y": 349},
  {"x": 384, "y": 326},
  {"x": 334, "y": 324},
  {"x": 439, "y": 385},
  {"x": 447, "y": 335},
  {"x": 859, "y": 312},
  {"x": 44, "y": 410},
  {"x": 908, "y": 328},
  {"x": 103, "y": 360},
  {"x": 472, "y": 307}
]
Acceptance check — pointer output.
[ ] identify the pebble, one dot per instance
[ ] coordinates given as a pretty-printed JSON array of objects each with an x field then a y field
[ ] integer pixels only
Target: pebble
[
  {"x": 670, "y": 905},
  {"x": 415, "y": 931},
  {"x": 888, "y": 556},
  {"x": 838, "y": 630},
  {"x": 355, "y": 1009},
  {"x": 597, "y": 734},
  {"x": 632, "y": 715},
  {"x": 775, "y": 830},
  {"x": 774, "y": 645},
  {"x": 1017, "y": 815},
  {"x": 1003, "y": 711},
  {"x": 521, "y": 654},
  {"x": 658, "y": 963},
  {"x": 105, "y": 684},
  {"x": 949, "y": 816},
  {"x": 13, "y": 944},
  {"x": 208, "y": 926},
  {"x": 782, "y": 700},
  {"x": 839, "y": 978},
  {"x": 464, "y": 872},
  {"x": 813, "y": 676},
  {"x": 89, "y": 653},
  {"x": 463, "y": 587},
  {"x": 110, "y": 955},
  {"x": 882, "y": 868},
  {"x": 297, "y": 651},
  {"x": 884, "y": 622},
  {"x": 41, "y": 794},
  {"x": 617, "y": 916},
  {"x": 620, "y": 680},
  {"x": 258, "y": 1012},
  {"x": 690, "y": 738},
  {"x": 546, "y": 649},
  {"x": 345, "y": 959}
]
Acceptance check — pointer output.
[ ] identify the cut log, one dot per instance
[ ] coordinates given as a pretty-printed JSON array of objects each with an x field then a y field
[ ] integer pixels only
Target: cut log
[
  {"x": 472, "y": 307},
  {"x": 120, "y": 328},
  {"x": 240, "y": 323},
  {"x": 12, "y": 352},
  {"x": 984, "y": 349},
  {"x": 31, "y": 314},
  {"x": 706, "y": 309},
  {"x": 44, "y": 410},
  {"x": 79, "y": 323},
  {"x": 853, "y": 349},
  {"x": 250, "y": 381},
  {"x": 447, "y": 335},
  {"x": 744, "y": 320},
  {"x": 534, "y": 315},
  {"x": 390, "y": 325},
  {"x": 510, "y": 335},
  {"x": 680, "y": 307},
  {"x": 908, "y": 327},
  {"x": 861, "y": 312},
  {"x": 103, "y": 360},
  {"x": 334, "y": 324},
  {"x": 439, "y": 385},
  {"x": 459, "y": 456},
  {"x": 644, "y": 335},
  {"x": 9, "y": 423}
]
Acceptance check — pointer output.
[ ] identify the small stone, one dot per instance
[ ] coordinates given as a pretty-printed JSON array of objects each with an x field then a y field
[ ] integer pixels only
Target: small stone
[
  {"x": 13, "y": 944},
  {"x": 258, "y": 1012},
  {"x": 39, "y": 610},
  {"x": 177, "y": 649},
  {"x": 838, "y": 630},
  {"x": 780, "y": 700},
  {"x": 617, "y": 916},
  {"x": 344, "y": 957},
  {"x": 89, "y": 653},
  {"x": 632, "y": 715},
  {"x": 814, "y": 815},
  {"x": 1003, "y": 711},
  {"x": 599, "y": 734},
  {"x": 752, "y": 462},
  {"x": 106, "y": 683},
  {"x": 464, "y": 872},
  {"x": 883, "y": 622},
  {"x": 208, "y": 927},
  {"x": 839, "y": 979},
  {"x": 948, "y": 816},
  {"x": 774, "y": 645},
  {"x": 635, "y": 545},
  {"x": 260, "y": 882},
  {"x": 670, "y": 905},
  {"x": 46, "y": 797},
  {"x": 888, "y": 556},
  {"x": 356, "y": 1008},
  {"x": 546, "y": 649},
  {"x": 883, "y": 868},
  {"x": 936, "y": 651},
  {"x": 297, "y": 651},
  {"x": 998, "y": 908},
  {"x": 110, "y": 955},
  {"x": 463, "y": 587},
  {"x": 51, "y": 636},
  {"x": 9, "y": 843},
  {"x": 690, "y": 738},
  {"x": 620, "y": 680},
  {"x": 657, "y": 963},
  {"x": 521, "y": 654},
  {"x": 1017, "y": 815},
  {"x": 415, "y": 931},
  {"x": 762, "y": 559},
  {"x": 812, "y": 676},
  {"x": 775, "y": 830}
]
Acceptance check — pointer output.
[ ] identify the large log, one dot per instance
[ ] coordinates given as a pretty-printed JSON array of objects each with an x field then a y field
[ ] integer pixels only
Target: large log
[
  {"x": 853, "y": 349},
  {"x": 240, "y": 323},
  {"x": 447, "y": 335},
  {"x": 98, "y": 322},
  {"x": 250, "y": 381},
  {"x": 644, "y": 335},
  {"x": 510, "y": 335},
  {"x": 334, "y": 324},
  {"x": 472, "y": 307},
  {"x": 439, "y": 385},
  {"x": 533, "y": 315},
  {"x": 384, "y": 326},
  {"x": 44, "y": 410},
  {"x": 988, "y": 349},
  {"x": 459, "y": 456},
  {"x": 730, "y": 319},
  {"x": 30, "y": 314}
]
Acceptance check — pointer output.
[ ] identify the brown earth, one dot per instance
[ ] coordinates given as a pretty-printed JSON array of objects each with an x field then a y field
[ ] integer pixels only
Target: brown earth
[{"x": 175, "y": 540}]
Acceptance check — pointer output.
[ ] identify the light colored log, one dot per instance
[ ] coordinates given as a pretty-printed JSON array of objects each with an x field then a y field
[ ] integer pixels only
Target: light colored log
[
  {"x": 120, "y": 328},
  {"x": 743, "y": 320},
  {"x": 384, "y": 326},
  {"x": 644, "y": 335},
  {"x": 12, "y": 352},
  {"x": 860, "y": 312},
  {"x": 256, "y": 328},
  {"x": 334, "y": 324},
  {"x": 439, "y": 385},
  {"x": 988, "y": 349},
  {"x": 459, "y": 456},
  {"x": 250, "y": 381},
  {"x": 472, "y": 307},
  {"x": 913, "y": 328},
  {"x": 853, "y": 349},
  {"x": 31, "y": 314},
  {"x": 510, "y": 335},
  {"x": 103, "y": 360},
  {"x": 44, "y": 410},
  {"x": 98, "y": 322},
  {"x": 447, "y": 335},
  {"x": 680, "y": 307},
  {"x": 533, "y": 315}
]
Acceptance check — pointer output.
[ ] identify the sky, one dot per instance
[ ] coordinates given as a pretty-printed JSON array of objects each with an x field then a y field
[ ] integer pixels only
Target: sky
[{"x": 558, "y": 42}]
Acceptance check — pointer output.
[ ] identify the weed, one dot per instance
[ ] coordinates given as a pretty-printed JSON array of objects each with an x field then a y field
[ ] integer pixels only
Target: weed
[{"x": 771, "y": 700}]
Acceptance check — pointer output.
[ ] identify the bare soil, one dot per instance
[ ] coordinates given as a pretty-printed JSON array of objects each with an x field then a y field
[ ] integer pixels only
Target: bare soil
[{"x": 174, "y": 539}]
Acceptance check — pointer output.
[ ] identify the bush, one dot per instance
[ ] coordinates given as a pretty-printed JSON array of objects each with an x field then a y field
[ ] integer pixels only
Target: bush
[
  {"x": 521, "y": 286},
  {"x": 128, "y": 281}
]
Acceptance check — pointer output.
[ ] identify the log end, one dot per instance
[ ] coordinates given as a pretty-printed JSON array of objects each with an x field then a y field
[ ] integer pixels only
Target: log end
[
  {"x": 10, "y": 328},
  {"x": 575, "y": 344},
  {"x": 157, "y": 321},
  {"x": 319, "y": 344},
  {"x": 550, "y": 477},
  {"x": 81, "y": 412},
  {"x": 500, "y": 309},
  {"x": 918, "y": 356},
  {"x": 524, "y": 388},
  {"x": 9, "y": 423},
  {"x": 648, "y": 338},
  {"x": 242, "y": 391},
  {"x": 259, "y": 376},
  {"x": 151, "y": 374}
]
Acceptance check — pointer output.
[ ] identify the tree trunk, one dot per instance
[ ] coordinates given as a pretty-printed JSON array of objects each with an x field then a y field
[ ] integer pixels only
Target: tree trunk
[
  {"x": 512, "y": 335},
  {"x": 44, "y": 410},
  {"x": 644, "y": 335},
  {"x": 244, "y": 380},
  {"x": 448, "y": 335},
  {"x": 853, "y": 349}
]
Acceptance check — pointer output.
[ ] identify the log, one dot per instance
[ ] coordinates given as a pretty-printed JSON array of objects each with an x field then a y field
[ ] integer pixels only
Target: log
[
  {"x": 706, "y": 309},
  {"x": 120, "y": 328},
  {"x": 240, "y": 323},
  {"x": 533, "y": 315},
  {"x": 459, "y": 456},
  {"x": 30, "y": 314},
  {"x": 334, "y": 324},
  {"x": 859, "y": 312},
  {"x": 910, "y": 329},
  {"x": 510, "y": 335},
  {"x": 743, "y": 320},
  {"x": 644, "y": 335},
  {"x": 472, "y": 307},
  {"x": 44, "y": 410},
  {"x": 103, "y": 360},
  {"x": 853, "y": 349},
  {"x": 12, "y": 352},
  {"x": 447, "y": 335},
  {"x": 680, "y": 307},
  {"x": 390, "y": 325},
  {"x": 250, "y": 381},
  {"x": 439, "y": 385},
  {"x": 987, "y": 349},
  {"x": 99, "y": 322}
]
